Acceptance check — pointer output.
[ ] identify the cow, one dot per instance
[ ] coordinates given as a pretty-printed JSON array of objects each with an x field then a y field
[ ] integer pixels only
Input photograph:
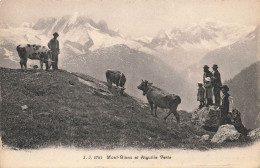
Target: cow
[
  {"x": 116, "y": 77},
  {"x": 34, "y": 52},
  {"x": 158, "y": 98}
]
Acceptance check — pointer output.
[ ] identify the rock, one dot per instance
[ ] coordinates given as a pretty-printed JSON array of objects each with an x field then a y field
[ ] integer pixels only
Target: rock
[
  {"x": 207, "y": 117},
  {"x": 45, "y": 114},
  {"x": 35, "y": 67},
  {"x": 24, "y": 107},
  {"x": 37, "y": 73},
  {"x": 71, "y": 82},
  {"x": 254, "y": 134},
  {"x": 203, "y": 148},
  {"x": 225, "y": 132},
  {"x": 97, "y": 88},
  {"x": 204, "y": 137}
]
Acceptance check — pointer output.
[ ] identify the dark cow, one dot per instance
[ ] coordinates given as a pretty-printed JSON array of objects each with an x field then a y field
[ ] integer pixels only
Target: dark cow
[
  {"x": 158, "y": 98},
  {"x": 117, "y": 78},
  {"x": 34, "y": 52}
]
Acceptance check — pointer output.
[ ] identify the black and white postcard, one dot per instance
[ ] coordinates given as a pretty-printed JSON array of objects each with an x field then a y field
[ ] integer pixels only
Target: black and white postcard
[{"x": 129, "y": 83}]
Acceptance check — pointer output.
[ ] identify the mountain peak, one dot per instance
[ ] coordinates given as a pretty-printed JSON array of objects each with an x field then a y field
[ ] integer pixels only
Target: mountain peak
[
  {"x": 162, "y": 35},
  {"x": 74, "y": 22},
  {"x": 26, "y": 25}
]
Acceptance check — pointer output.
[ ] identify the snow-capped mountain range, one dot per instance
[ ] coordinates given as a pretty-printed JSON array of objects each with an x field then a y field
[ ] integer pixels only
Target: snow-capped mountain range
[
  {"x": 209, "y": 35},
  {"x": 78, "y": 34},
  {"x": 179, "y": 47},
  {"x": 231, "y": 59}
]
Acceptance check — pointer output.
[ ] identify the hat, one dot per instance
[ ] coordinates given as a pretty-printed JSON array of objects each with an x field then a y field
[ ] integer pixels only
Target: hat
[
  {"x": 225, "y": 87},
  {"x": 199, "y": 83},
  {"x": 215, "y": 66},
  {"x": 208, "y": 79},
  {"x": 206, "y": 66},
  {"x": 55, "y": 34}
]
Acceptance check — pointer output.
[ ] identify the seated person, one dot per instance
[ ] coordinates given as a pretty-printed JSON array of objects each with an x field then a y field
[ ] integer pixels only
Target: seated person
[{"x": 235, "y": 118}]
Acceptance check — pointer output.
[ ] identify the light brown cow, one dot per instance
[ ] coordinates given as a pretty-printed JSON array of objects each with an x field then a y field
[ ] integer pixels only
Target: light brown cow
[{"x": 158, "y": 98}]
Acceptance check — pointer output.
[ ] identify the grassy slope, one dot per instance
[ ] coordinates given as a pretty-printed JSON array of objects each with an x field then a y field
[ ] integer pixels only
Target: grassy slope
[{"x": 63, "y": 111}]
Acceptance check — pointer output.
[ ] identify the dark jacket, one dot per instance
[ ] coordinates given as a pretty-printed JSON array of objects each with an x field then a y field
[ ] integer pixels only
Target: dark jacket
[
  {"x": 237, "y": 122},
  {"x": 225, "y": 103},
  {"x": 54, "y": 44},
  {"x": 216, "y": 79}
]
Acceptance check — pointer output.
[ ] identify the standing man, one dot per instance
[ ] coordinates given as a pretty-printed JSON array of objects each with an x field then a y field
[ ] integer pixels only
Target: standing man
[
  {"x": 225, "y": 105},
  {"x": 216, "y": 81},
  {"x": 55, "y": 49}
]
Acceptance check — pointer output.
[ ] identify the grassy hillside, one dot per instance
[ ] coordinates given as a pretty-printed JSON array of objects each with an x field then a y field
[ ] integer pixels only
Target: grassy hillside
[
  {"x": 66, "y": 109},
  {"x": 136, "y": 66},
  {"x": 244, "y": 88}
]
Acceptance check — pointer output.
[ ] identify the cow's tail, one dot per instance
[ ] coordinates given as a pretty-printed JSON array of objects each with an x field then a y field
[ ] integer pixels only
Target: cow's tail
[
  {"x": 107, "y": 75},
  {"x": 18, "y": 48},
  {"x": 109, "y": 82},
  {"x": 122, "y": 81}
]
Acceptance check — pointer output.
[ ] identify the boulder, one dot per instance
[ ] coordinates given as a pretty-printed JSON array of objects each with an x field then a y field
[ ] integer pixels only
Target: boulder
[
  {"x": 24, "y": 107},
  {"x": 207, "y": 117},
  {"x": 254, "y": 134},
  {"x": 204, "y": 137},
  {"x": 225, "y": 132}
]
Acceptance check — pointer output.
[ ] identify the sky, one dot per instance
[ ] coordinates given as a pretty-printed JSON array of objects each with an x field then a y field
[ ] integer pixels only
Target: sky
[{"x": 135, "y": 17}]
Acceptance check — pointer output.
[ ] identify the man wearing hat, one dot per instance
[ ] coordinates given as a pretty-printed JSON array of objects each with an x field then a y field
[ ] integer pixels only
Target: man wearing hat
[
  {"x": 216, "y": 81},
  {"x": 54, "y": 47},
  {"x": 229, "y": 114},
  {"x": 225, "y": 105}
]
